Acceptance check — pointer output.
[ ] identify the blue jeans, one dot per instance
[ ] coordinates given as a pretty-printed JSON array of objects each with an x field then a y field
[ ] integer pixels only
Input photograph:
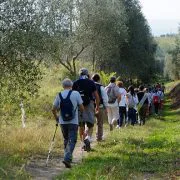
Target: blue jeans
[
  {"x": 69, "y": 132},
  {"x": 132, "y": 116}
]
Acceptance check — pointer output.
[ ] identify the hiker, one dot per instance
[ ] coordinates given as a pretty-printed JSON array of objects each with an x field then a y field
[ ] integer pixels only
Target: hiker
[
  {"x": 102, "y": 106},
  {"x": 161, "y": 94},
  {"x": 88, "y": 92},
  {"x": 150, "y": 100},
  {"x": 132, "y": 101},
  {"x": 122, "y": 104},
  {"x": 157, "y": 100},
  {"x": 114, "y": 98},
  {"x": 142, "y": 105},
  {"x": 136, "y": 90},
  {"x": 68, "y": 102}
]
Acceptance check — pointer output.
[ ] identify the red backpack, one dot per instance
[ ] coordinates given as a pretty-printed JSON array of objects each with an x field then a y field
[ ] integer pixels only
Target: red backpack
[{"x": 156, "y": 99}]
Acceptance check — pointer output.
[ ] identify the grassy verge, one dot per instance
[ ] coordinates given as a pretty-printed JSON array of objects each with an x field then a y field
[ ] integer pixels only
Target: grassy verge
[
  {"x": 17, "y": 145},
  {"x": 148, "y": 152}
]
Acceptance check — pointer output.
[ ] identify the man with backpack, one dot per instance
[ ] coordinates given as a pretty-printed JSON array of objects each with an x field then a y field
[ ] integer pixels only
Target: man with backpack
[
  {"x": 143, "y": 104},
  {"x": 114, "y": 97},
  {"x": 68, "y": 102},
  {"x": 88, "y": 92},
  {"x": 102, "y": 106}
]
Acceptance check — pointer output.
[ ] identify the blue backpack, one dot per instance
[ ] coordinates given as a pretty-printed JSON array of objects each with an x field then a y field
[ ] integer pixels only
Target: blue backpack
[{"x": 66, "y": 107}]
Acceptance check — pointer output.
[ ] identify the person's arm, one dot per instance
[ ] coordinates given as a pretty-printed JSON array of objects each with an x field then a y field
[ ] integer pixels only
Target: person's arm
[
  {"x": 81, "y": 107},
  {"x": 95, "y": 93},
  {"x": 80, "y": 102},
  {"x": 55, "y": 109}
]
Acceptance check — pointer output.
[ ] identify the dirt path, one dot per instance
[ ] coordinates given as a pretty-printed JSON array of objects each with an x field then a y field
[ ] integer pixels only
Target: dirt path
[{"x": 37, "y": 168}]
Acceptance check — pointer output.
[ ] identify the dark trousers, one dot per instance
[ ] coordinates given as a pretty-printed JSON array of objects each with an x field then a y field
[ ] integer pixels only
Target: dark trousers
[
  {"x": 69, "y": 132},
  {"x": 156, "y": 107},
  {"x": 122, "y": 115},
  {"x": 142, "y": 113},
  {"x": 132, "y": 116}
]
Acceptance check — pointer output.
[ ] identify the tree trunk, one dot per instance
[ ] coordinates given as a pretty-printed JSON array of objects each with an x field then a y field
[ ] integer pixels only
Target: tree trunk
[{"x": 23, "y": 115}]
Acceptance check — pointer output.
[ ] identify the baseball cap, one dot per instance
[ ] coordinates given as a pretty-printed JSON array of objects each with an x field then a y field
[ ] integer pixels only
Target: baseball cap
[{"x": 83, "y": 71}]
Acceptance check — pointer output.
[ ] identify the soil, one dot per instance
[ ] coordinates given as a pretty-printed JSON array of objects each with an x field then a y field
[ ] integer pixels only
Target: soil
[{"x": 37, "y": 168}]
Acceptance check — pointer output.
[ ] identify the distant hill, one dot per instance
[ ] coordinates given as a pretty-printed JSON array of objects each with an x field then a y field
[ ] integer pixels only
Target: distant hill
[{"x": 166, "y": 42}]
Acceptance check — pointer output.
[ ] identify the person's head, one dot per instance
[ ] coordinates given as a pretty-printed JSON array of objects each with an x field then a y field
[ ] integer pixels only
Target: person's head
[
  {"x": 67, "y": 83},
  {"x": 96, "y": 77},
  {"x": 131, "y": 90},
  {"x": 141, "y": 88},
  {"x": 112, "y": 79},
  {"x": 119, "y": 83},
  {"x": 146, "y": 90},
  {"x": 83, "y": 72},
  {"x": 136, "y": 90}
]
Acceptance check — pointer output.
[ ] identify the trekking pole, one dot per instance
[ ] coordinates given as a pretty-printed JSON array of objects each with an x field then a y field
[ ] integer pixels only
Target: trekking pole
[
  {"x": 51, "y": 146},
  {"x": 82, "y": 144}
]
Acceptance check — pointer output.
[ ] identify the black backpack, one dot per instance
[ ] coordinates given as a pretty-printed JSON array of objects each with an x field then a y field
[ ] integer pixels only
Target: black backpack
[
  {"x": 84, "y": 94},
  {"x": 66, "y": 107},
  {"x": 98, "y": 87}
]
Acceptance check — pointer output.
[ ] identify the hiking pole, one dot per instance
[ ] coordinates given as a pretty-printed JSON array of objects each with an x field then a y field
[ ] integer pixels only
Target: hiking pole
[
  {"x": 51, "y": 146},
  {"x": 82, "y": 144}
]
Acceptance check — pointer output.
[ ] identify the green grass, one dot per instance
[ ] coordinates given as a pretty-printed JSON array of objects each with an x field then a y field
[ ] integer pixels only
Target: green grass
[
  {"x": 12, "y": 167},
  {"x": 135, "y": 152}
]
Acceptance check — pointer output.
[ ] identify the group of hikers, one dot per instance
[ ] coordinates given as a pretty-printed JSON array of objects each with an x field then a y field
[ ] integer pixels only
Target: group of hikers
[{"x": 85, "y": 102}]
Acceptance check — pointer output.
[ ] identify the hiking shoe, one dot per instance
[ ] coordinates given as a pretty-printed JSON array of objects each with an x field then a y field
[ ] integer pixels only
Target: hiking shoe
[
  {"x": 67, "y": 164},
  {"x": 117, "y": 127},
  {"x": 87, "y": 146}
]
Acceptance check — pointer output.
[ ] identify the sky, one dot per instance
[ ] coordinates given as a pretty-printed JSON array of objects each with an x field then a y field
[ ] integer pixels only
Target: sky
[{"x": 163, "y": 16}]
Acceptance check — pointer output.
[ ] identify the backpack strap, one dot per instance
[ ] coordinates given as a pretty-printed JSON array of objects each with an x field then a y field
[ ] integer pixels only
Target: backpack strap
[{"x": 68, "y": 96}]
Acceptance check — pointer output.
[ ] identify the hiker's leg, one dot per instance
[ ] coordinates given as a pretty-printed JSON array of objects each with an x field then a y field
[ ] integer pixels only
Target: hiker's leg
[
  {"x": 99, "y": 128},
  {"x": 124, "y": 114},
  {"x": 115, "y": 115},
  {"x": 133, "y": 117},
  {"x": 121, "y": 114},
  {"x": 144, "y": 108},
  {"x": 110, "y": 117},
  {"x": 72, "y": 139},
  {"x": 82, "y": 130},
  {"x": 89, "y": 130},
  {"x": 156, "y": 108},
  {"x": 64, "y": 130},
  {"x": 141, "y": 115},
  {"x": 88, "y": 117}
]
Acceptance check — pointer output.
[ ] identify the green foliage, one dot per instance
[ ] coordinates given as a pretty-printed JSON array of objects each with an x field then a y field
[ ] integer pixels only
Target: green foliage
[
  {"x": 105, "y": 77},
  {"x": 172, "y": 61},
  {"x": 20, "y": 48}
]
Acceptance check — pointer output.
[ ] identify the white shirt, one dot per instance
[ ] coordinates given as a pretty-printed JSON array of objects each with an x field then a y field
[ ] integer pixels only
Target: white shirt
[{"x": 123, "y": 93}]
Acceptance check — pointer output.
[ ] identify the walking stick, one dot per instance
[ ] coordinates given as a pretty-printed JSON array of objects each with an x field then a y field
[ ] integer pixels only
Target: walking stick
[{"x": 51, "y": 145}]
